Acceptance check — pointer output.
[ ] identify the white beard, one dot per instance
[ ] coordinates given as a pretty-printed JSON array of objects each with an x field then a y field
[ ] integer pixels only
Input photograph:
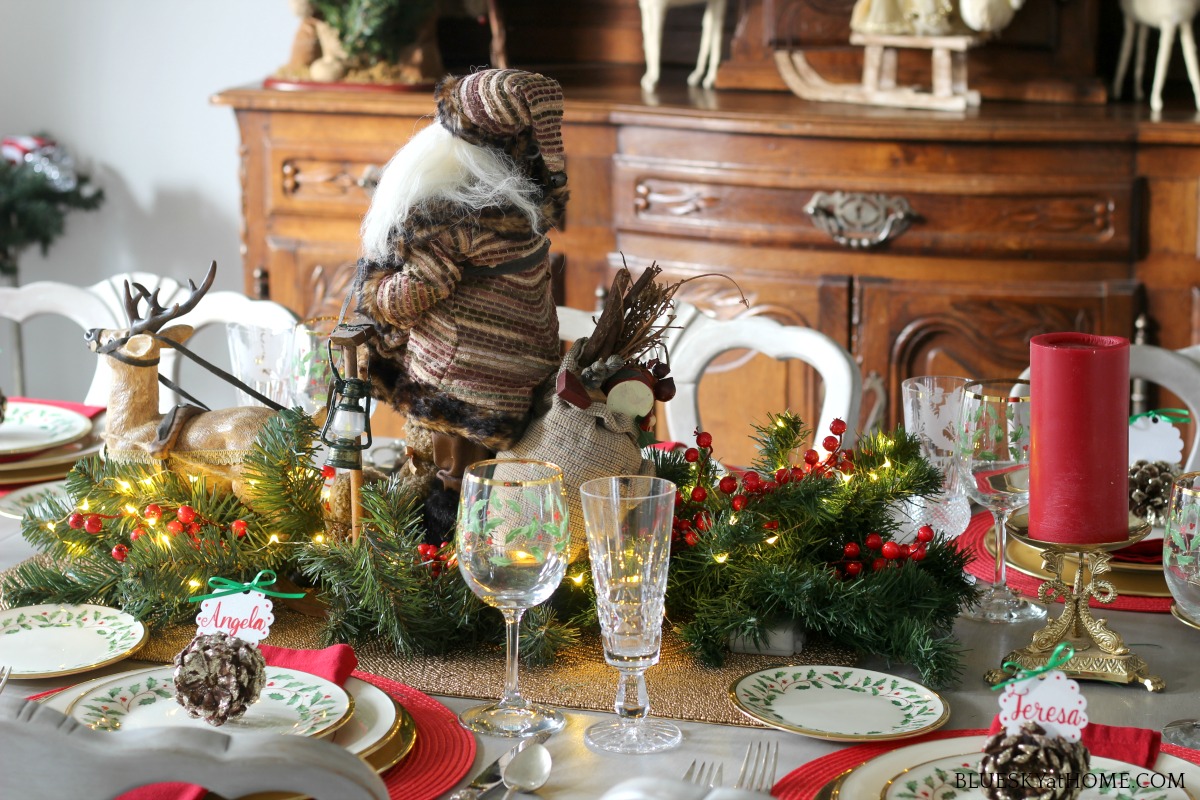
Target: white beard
[{"x": 433, "y": 167}]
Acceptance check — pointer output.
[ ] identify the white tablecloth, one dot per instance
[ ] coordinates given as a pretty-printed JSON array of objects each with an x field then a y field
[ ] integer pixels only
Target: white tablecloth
[{"x": 1171, "y": 649}]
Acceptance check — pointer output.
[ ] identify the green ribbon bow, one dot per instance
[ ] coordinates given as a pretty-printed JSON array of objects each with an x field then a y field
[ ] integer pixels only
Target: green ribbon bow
[
  {"x": 1061, "y": 655},
  {"x": 1171, "y": 415},
  {"x": 225, "y": 587}
]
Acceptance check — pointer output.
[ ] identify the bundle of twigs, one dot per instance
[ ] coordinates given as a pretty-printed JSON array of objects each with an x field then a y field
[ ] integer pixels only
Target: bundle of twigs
[{"x": 634, "y": 319}]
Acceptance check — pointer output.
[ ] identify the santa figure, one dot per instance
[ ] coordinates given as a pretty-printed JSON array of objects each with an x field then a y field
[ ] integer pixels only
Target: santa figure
[{"x": 455, "y": 271}]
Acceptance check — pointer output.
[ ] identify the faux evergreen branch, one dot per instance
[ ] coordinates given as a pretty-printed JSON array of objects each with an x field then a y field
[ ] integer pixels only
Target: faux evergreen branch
[{"x": 33, "y": 211}]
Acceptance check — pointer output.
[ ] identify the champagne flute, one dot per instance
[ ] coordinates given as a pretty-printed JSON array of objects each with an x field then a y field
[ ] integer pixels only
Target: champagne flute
[
  {"x": 628, "y": 524},
  {"x": 512, "y": 537},
  {"x": 993, "y": 465},
  {"x": 1181, "y": 565}
]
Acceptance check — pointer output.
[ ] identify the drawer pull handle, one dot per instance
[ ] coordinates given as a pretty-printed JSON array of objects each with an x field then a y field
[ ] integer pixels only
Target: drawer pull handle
[
  {"x": 677, "y": 203},
  {"x": 859, "y": 220},
  {"x": 369, "y": 180}
]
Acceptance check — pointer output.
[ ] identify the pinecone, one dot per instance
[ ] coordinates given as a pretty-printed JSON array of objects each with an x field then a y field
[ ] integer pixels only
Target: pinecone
[
  {"x": 1033, "y": 766},
  {"x": 1150, "y": 489},
  {"x": 218, "y": 676}
]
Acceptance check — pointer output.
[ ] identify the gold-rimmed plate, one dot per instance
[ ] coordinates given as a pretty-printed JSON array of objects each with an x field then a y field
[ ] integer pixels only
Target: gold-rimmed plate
[
  {"x": 292, "y": 702},
  {"x": 840, "y": 704},
  {"x": 33, "y": 427},
  {"x": 51, "y": 641}
]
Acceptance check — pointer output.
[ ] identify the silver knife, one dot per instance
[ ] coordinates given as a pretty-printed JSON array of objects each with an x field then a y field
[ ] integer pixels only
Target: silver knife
[{"x": 490, "y": 776}]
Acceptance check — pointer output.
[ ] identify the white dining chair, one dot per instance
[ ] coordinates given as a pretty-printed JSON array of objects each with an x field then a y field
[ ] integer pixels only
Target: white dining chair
[
  {"x": 46, "y": 756},
  {"x": 698, "y": 339},
  {"x": 1177, "y": 371}
]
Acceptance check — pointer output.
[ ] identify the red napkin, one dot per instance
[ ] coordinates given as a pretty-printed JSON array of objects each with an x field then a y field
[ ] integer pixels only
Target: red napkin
[
  {"x": 333, "y": 664},
  {"x": 1137, "y": 746},
  {"x": 91, "y": 412},
  {"x": 1144, "y": 552}
]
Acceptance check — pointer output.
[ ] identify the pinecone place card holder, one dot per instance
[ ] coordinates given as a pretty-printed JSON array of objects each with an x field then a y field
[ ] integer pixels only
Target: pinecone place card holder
[
  {"x": 221, "y": 672},
  {"x": 1038, "y": 753}
]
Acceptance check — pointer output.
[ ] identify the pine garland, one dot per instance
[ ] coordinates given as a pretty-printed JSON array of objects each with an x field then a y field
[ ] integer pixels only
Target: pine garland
[
  {"x": 33, "y": 211},
  {"x": 737, "y": 566}
]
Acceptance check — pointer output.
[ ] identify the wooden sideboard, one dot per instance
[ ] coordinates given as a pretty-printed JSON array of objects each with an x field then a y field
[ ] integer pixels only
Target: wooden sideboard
[{"x": 1025, "y": 219}]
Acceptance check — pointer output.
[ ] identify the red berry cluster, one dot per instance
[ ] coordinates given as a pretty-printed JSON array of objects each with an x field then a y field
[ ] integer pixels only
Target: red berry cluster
[
  {"x": 437, "y": 558},
  {"x": 881, "y": 554},
  {"x": 692, "y": 515}
]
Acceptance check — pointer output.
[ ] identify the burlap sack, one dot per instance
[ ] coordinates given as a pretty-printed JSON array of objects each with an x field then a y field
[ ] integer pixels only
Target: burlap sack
[{"x": 586, "y": 443}]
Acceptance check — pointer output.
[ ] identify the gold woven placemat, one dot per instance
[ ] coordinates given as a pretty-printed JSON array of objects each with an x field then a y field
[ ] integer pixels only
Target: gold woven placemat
[{"x": 680, "y": 687}]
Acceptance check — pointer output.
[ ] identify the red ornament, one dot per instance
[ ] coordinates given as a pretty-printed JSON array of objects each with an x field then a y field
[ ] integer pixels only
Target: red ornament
[
  {"x": 699, "y": 494},
  {"x": 905, "y": 551},
  {"x": 878, "y": 564},
  {"x": 751, "y": 480},
  {"x": 925, "y": 534},
  {"x": 328, "y": 472},
  {"x": 120, "y": 552},
  {"x": 831, "y": 443},
  {"x": 891, "y": 550},
  {"x": 93, "y": 523},
  {"x": 811, "y": 457},
  {"x": 678, "y": 497},
  {"x": 186, "y": 514},
  {"x": 702, "y": 521},
  {"x": 738, "y": 502},
  {"x": 769, "y": 486},
  {"x": 851, "y": 550},
  {"x": 854, "y": 568},
  {"x": 691, "y": 455},
  {"x": 75, "y": 520},
  {"x": 728, "y": 484},
  {"x": 193, "y": 528},
  {"x": 691, "y": 538},
  {"x": 798, "y": 473},
  {"x": 783, "y": 475},
  {"x": 153, "y": 511},
  {"x": 238, "y": 527},
  {"x": 704, "y": 439},
  {"x": 175, "y": 527},
  {"x": 771, "y": 525},
  {"x": 684, "y": 524},
  {"x": 837, "y": 427},
  {"x": 137, "y": 534},
  {"x": 846, "y": 467},
  {"x": 874, "y": 541},
  {"x": 918, "y": 554}
]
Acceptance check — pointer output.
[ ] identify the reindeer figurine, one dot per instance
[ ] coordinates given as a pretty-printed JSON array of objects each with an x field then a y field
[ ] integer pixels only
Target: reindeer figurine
[{"x": 186, "y": 439}]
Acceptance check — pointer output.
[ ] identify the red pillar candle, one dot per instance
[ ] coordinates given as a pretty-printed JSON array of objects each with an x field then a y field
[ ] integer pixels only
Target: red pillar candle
[{"x": 1079, "y": 462}]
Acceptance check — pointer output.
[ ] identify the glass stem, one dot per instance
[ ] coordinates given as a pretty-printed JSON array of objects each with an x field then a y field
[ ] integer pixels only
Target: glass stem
[
  {"x": 633, "y": 702},
  {"x": 512, "y": 628},
  {"x": 999, "y": 583}
]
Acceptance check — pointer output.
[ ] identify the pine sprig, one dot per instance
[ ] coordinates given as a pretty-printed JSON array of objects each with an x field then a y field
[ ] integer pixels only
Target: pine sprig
[{"x": 33, "y": 211}]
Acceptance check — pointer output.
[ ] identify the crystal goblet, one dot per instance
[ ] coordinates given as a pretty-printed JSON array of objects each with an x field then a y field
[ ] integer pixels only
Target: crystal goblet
[
  {"x": 511, "y": 538},
  {"x": 993, "y": 464},
  {"x": 628, "y": 524},
  {"x": 932, "y": 407}
]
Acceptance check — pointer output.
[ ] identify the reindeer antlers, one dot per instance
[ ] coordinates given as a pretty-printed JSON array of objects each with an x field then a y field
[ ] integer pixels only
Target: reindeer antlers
[{"x": 157, "y": 316}]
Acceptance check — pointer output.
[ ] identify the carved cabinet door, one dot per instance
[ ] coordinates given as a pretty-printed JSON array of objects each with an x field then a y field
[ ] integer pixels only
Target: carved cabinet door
[{"x": 976, "y": 330}]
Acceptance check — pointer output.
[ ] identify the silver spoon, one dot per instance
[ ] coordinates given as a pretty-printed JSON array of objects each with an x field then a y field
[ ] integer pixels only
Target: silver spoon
[{"x": 528, "y": 771}]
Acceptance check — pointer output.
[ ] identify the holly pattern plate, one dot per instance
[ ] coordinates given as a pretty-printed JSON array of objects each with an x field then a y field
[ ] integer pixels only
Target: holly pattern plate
[
  {"x": 14, "y": 504},
  {"x": 958, "y": 777},
  {"x": 839, "y": 703},
  {"x": 48, "y": 641},
  {"x": 292, "y": 702},
  {"x": 32, "y": 427}
]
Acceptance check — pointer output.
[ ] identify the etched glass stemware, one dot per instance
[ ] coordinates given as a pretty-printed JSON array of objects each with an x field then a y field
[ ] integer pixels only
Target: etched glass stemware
[
  {"x": 1181, "y": 566},
  {"x": 628, "y": 523},
  {"x": 932, "y": 405},
  {"x": 512, "y": 536}
]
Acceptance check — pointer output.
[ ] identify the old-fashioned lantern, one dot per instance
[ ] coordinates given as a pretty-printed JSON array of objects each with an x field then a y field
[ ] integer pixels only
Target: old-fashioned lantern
[{"x": 348, "y": 414}]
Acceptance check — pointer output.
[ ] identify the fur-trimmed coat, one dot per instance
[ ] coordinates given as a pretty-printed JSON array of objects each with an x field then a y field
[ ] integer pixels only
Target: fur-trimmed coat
[{"x": 459, "y": 348}]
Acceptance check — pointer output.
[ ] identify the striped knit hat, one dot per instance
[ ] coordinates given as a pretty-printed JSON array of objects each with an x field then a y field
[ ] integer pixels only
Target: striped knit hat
[{"x": 493, "y": 107}]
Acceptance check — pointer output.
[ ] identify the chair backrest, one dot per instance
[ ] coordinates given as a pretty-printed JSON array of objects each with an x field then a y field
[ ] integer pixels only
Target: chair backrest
[
  {"x": 46, "y": 756},
  {"x": 700, "y": 339},
  {"x": 1177, "y": 371},
  {"x": 74, "y": 303},
  {"x": 574, "y": 324}
]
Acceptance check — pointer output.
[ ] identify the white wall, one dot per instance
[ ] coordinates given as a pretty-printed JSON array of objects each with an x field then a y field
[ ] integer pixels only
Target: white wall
[{"x": 125, "y": 85}]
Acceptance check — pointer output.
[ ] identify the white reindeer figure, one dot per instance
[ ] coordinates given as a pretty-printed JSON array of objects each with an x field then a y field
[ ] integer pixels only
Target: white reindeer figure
[
  {"x": 185, "y": 439},
  {"x": 654, "y": 14},
  {"x": 1169, "y": 16}
]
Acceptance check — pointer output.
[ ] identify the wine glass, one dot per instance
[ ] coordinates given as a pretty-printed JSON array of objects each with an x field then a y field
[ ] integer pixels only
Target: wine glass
[
  {"x": 993, "y": 465},
  {"x": 932, "y": 405},
  {"x": 512, "y": 537},
  {"x": 628, "y": 524},
  {"x": 1181, "y": 565}
]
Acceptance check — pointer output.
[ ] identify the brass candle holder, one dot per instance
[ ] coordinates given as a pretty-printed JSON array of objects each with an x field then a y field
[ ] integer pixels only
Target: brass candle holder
[{"x": 1100, "y": 653}]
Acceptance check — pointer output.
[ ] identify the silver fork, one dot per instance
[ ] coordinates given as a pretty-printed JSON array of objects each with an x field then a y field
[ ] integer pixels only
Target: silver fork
[
  {"x": 704, "y": 774},
  {"x": 4, "y": 673},
  {"x": 758, "y": 767}
]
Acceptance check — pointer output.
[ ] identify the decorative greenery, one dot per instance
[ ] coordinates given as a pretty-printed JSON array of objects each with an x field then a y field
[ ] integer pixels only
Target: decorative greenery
[
  {"x": 778, "y": 553},
  {"x": 376, "y": 30},
  {"x": 33, "y": 210}
]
